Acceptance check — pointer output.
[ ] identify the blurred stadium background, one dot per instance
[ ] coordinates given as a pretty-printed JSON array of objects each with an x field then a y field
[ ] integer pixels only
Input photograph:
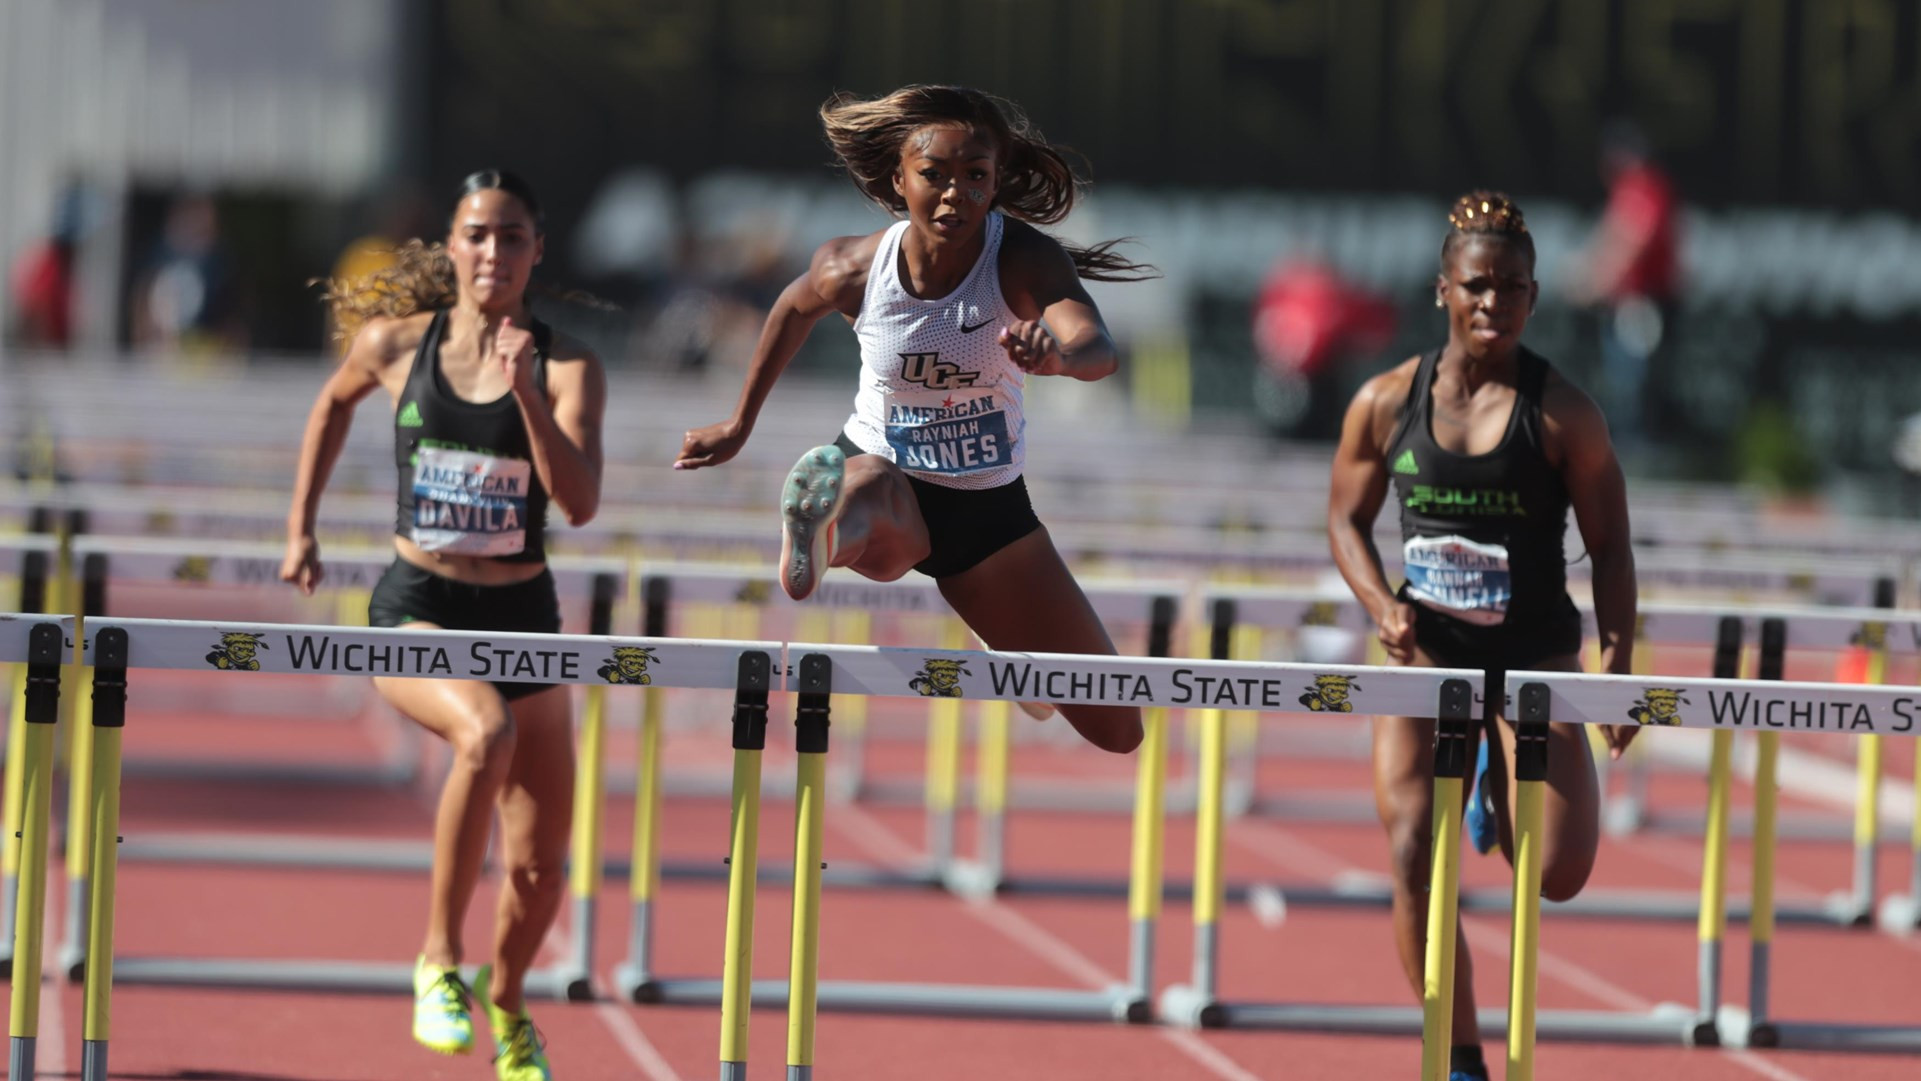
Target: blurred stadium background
[{"x": 203, "y": 159}]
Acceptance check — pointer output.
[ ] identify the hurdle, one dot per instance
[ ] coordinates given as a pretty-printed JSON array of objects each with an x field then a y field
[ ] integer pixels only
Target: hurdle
[
  {"x": 255, "y": 567},
  {"x": 37, "y": 643},
  {"x": 34, "y": 558},
  {"x": 1883, "y": 632},
  {"x": 1151, "y": 682},
  {"x": 204, "y": 563},
  {"x": 1814, "y": 628},
  {"x": 1153, "y": 601},
  {"x": 112, "y": 646},
  {"x": 1198, "y": 1003},
  {"x": 1767, "y": 707},
  {"x": 1754, "y": 1026},
  {"x": 183, "y": 645}
]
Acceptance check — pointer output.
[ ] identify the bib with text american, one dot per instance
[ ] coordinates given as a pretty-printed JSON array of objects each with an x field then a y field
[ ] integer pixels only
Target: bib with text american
[
  {"x": 948, "y": 431},
  {"x": 1466, "y": 579},
  {"x": 467, "y": 503}
]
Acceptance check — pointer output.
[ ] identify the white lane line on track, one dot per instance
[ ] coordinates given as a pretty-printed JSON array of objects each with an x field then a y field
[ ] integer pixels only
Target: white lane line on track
[
  {"x": 625, "y": 1031},
  {"x": 869, "y": 833},
  {"x": 1492, "y": 938},
  {"x": 51, "y": 1047}
]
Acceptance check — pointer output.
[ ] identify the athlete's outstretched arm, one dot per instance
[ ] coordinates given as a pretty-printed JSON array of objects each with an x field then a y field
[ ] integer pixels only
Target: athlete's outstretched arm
[
  {"x": 359, "y": 375},
  {"x": 1598, "y": 493},
  {"x": 1356, "y": 490},
  {"x": 1042, "y": 285},
  {"x": 834, "y": 281}
]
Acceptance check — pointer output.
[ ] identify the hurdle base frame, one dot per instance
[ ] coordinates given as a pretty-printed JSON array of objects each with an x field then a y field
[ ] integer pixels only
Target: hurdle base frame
[
  {"x": 1738, "y": 1029},
  {"x": 1667, "y": 1023},
  {"x": 557, "y": 983},
  {"x": 1117, "y": 1003},
  {"x": 1900, "y": 914}
]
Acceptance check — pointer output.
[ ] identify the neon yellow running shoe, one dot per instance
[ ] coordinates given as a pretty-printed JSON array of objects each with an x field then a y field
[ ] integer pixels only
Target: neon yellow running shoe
[
  {"x": 519, "y": 1054},
  {"x": 443, "y": 1021}
]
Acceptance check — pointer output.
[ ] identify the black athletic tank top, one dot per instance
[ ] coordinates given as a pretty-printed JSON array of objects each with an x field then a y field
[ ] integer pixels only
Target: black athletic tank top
[
  {"x": 467, "y": 481},
  {"x": 1481, "y": 534}
]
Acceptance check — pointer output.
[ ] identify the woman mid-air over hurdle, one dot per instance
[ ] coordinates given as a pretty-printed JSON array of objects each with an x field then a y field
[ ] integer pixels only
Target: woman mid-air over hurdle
[
  {"x": 954, "y": 307},
  {"x": 480, "y": 388},
  {"x": 1485, "y": 447}
]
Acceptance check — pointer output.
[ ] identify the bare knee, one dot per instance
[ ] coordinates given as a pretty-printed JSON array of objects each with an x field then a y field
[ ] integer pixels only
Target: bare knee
[
  {"x": 537, "y": 877},
  {"x": 1565, "y": 871},
  {"x": 483, "y": 741}
]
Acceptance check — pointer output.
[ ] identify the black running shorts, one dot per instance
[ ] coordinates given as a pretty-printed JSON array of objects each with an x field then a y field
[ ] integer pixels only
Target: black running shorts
[
  {"x": 1515, "y": 645},
  {"x": 409, "y": 594},
  {"x": 965, "y": 526}
]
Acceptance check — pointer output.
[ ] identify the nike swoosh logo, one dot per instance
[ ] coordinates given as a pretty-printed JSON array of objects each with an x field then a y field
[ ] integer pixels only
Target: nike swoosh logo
[{"x": 965, "y": 329}]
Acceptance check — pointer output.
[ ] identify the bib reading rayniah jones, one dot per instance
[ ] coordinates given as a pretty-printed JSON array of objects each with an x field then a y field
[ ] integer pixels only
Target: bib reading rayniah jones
[{"x": 938, "y": 396}]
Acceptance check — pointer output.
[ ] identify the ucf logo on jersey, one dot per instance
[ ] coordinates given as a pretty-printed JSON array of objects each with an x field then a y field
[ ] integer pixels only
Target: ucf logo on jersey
[{"x": 930, "y": 371}]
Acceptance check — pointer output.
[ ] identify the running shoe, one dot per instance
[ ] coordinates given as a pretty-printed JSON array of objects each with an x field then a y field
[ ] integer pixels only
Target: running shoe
[
  {"x": 519, "y": 1052},
  {"x": 1480, "y": 806},
  {"x": 810, "y": 504},
  {"x": 443, "y": 1017}
]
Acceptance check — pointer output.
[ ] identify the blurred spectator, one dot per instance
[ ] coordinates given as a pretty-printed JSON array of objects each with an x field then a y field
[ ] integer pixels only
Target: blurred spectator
[
  {"x": 1631, "y": 272},
  {"x": 185, "y": 296},
  {"x": 41, "y": 282},
  {"x": 1308, "y": 322}
]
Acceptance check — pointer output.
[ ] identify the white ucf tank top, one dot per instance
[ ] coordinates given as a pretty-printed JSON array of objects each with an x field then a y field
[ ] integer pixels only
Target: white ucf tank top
[{"x": 938, "y": 396}]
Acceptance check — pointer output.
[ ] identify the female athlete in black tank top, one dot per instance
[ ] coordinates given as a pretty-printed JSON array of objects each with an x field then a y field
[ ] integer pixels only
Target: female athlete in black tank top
[
  {"x": 494, "y": 418},
  {"x": 1485, "y": 448},
  {"x": 1482, "y": 534}
]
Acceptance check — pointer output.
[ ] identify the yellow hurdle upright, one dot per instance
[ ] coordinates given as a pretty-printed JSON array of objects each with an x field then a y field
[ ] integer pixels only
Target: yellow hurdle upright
[
  {"x": 743, "y": 862},
  {"x": 36, "y": 804},
  {"x": 1530, "y": 778},
  {"x": 32, "y": 598},
  {"x": 1451, "y": 736},
  {"x": 109, "y": 717},
  {"x": 810, "y": 805}
]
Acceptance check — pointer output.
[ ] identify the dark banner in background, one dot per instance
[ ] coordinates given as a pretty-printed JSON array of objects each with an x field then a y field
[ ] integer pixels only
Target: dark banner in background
[
  {"x": 1755, "y": 105},
  {"x": 1808, "y": 102}
]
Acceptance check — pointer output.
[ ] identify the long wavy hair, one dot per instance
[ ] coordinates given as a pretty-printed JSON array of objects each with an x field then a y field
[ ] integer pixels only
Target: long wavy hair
[{"x": 1037, "y": 185}]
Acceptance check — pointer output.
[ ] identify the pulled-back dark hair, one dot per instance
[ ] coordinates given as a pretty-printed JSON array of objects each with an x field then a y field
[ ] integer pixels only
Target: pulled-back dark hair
[
  {"x": 421, "y": 276},
  {"x": 1486, "y": 213},
  {"x": 1037, "y": 185}
]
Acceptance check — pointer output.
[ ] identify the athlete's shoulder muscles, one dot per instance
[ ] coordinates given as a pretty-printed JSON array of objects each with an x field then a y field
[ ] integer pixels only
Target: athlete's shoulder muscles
[
  {"x": 1377, "y": 405},
  {"x": 381, "y": 355},
  {"x": 837, "y": 275},
  {"x": 1576, "y": 431}
]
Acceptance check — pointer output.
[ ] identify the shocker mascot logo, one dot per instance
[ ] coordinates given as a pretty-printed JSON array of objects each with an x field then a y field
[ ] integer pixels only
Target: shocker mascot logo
[
  {"x": 1658, "y": 705},
  {"x": 1330, "y": 694},
  {"x": 194, "y": 569},
  {"x": 1321, "y": 614},
  {"x": 939, "y": 677},
  {"x": 235, "y": 652},
  {"x": 628, "y": 666}
]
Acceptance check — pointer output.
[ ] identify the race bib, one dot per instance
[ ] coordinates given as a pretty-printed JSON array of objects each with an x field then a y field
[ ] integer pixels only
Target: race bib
[
  {"x": 470, "y": 504},
  {"x": 944, "y": 432},
  {"x": 1466, "y": 579}
]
